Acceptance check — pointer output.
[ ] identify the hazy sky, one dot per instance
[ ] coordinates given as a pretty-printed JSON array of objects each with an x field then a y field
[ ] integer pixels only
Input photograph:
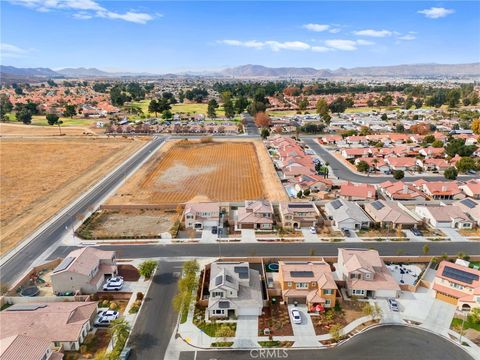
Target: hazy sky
[{"x": 165, "y": 36}]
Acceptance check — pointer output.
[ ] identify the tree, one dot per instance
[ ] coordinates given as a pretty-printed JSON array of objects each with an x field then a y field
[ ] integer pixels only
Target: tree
[
  {"x": 212, "y": 109},
  {"x": 70, "y": 111},
  {"x": 119, "y": 329},
  {"x": 53, "y": 119},
  {"x": 437, "y": 144},
  {"x": 399, "y": 128},
  {"x": 24, "y": 115},
  {"x": 409, "y": 102},
  {"x": 146, "y": 268},
  {"x": 476, "y": 126},
  {"x": 306, "y": 192},
  {"x": 384, "y": 117},
  {"x": 465, "y": 164},
  {"x": 338, "y": 105},
  {"x": 429, "y": 139},
  {"x": 363, "y": 166},
  {"x": 262, "y": 120},
  {"x": 457, "y": 146},
  {"x": 398, "y": 174},
  {"x": 322, "y": 107},
  {"x": 229, "y": 108},
  {"x": 241, "y": 104},
  {"x": 153, "y": 107},
  {"x": 453, "y": 98},
  {"x": 418, "y": 103},
  {"x": 167, "y": 114},
  {"x": 335, "y": 332},
  {"x": 5, "y": 107},
  {"x": 450, "y": 173},
  {"x": 300, "y": 194},
  {"x": 265, "y": 133},
  {"x": 426, "y": 249}
]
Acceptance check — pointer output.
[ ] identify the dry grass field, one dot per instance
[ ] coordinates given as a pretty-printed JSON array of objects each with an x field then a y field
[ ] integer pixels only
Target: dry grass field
[
  {"x": 192, "y": 171},
  {"x": 40, "y": 176},
  {"x": 17, "y": 130}
]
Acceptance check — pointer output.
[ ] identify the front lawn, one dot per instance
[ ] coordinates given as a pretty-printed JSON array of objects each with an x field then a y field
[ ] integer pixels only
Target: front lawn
[
  {"x": 382, "y": 232},
  {"x": 469, "y": 232},
  {"x": 341, "y": 315},
  {"x": 275, "y": 344},
  {"x": 209, "y": 328},
  {"x": 222, "y": 344},
  {"x": 470, "y": 323}
]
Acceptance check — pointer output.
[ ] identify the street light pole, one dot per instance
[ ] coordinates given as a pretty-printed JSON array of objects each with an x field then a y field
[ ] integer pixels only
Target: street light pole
[{"x": 463, "y": 326}]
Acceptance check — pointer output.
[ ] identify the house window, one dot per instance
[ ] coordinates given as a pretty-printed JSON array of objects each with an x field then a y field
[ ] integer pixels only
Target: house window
[
  {"x": 327, "y": 302},
  {"x": 328, "y": 292},
  {"x": 56, "y": 343},
  {"x": 358, "y": 292},
  {"x": 289, "y": 284},
  {"x": 368, "y": 276},
  {"x": 217, "y": 294},
  {"x": 313, "y": 284},
  {"x": 302, "y": 285},
  {"x": 219, "y": 312},
  {"x": 457, "y": 286}
]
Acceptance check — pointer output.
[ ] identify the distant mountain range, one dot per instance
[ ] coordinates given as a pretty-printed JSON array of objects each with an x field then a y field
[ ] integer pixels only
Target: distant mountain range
[
  {"x": 414, "y": 70},
  {"x": 11, "y": 73}
]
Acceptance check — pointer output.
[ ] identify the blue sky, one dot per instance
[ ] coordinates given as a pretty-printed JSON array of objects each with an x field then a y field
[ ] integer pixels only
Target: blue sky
[{"x": 159, "y": 36}]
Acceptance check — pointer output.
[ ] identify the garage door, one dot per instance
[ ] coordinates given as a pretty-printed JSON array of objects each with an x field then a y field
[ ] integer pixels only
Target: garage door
[
  {"x": 299, "y": 300},
  {"x": 446, "y": 298},
  {"x": 249, "y": 311}
]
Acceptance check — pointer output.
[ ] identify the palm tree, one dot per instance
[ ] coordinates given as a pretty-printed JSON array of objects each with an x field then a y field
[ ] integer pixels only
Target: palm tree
[{"x": 119, "y": 328}]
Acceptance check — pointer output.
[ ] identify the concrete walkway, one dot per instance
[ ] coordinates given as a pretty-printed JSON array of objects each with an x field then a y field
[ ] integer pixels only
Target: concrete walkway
[
  {"x": 247, "y": 332},
  {"x": 248, "y": 236}
]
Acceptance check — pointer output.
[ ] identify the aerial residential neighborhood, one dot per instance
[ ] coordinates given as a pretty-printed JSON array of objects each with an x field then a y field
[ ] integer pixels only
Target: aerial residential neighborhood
[{"x": 239, "y": 180}]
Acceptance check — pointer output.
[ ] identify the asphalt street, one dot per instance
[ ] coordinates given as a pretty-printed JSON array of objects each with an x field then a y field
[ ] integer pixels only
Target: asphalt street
[
  {"x": 157, "y": 320},
  {"x": 386, "y": 342},
  {"x": 404, "y": 248},
  {"x": 344, "y": 173},
  {"x": 22, "y": 260}
]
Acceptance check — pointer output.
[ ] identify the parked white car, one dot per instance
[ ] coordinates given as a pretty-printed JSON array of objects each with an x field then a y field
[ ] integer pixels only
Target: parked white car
[
  {"x": 313, "y": 230},
  {"x": 112, "y": 287},
  {"x": 116, "y": 280},
  {"x": 297, "y": 318},
  {"x": 104, "y": 318}
]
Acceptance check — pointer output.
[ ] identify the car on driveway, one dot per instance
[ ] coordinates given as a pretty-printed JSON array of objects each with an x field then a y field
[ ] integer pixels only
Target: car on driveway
[
  {"x": 416, "y": 232},
  {"x": 297, "y": 318},
  {"x": 393, "y": 305},
  {"x": 109, "y": 314},
  {"x": 116, "y": 280},
  {"x": 313, "y": 230},
  {"x": 214, "y": 230},
  {"x": 346, "y": 232},
  {"x": 112, "y": 287}
]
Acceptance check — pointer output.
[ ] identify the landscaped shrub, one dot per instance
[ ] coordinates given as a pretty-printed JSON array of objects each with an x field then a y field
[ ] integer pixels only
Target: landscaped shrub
[
  {"x": 146, "y": 268},
  {"x": 140, "y": 296}
]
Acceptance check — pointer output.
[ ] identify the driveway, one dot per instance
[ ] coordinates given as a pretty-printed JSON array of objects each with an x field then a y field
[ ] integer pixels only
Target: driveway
[
  {"x": 308, "y": 236},
  {"x": 439, "y": 317},
  {"x": 304, "y": 333},
  {"x": 453, "y": 234},
  {"x": 248, "y": 236},
  {"x": 389, "y": 316},
  {"x": 208, "y": 237},
  {"x": 412, "y": 237},
  {"x": 246, "y": 335}
]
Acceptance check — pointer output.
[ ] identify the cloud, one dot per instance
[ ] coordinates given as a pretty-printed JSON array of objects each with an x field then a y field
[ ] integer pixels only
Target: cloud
[
  {"x": 322, "y": 27},
  {"x": 271, "y": 44},
  {"x": 12, "y": 51},
  {"x": 407, "y": 37},
  {"x": 436, "y": 12},
  {"x": 330, "y": 45},
  {"x": 86, "y": 9},
  {"x": 373, "y": 33},
  {"x": 347, "y": 45}
]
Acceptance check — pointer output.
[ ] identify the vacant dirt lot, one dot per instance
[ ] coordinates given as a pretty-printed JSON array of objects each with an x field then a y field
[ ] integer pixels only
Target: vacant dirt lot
[
  {"x": 40, "y": 176},
  {"x": 131, "y": 223},
  {"x": 185, "y": 171},
  {"x": 17, "y": 130}
]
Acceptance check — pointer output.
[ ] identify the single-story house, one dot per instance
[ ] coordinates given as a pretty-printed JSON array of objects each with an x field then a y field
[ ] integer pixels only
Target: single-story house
[
  {"x": 391, "y": 213},
  {"x": 445, "y": 216},
  {"x": 346, "y": 214}
]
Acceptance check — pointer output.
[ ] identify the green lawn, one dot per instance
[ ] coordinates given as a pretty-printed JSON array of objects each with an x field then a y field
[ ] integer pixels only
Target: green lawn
[
  {"x": 41, "y": 120},
  {"x": 181, "y": 108},
  {"x": 284, "y": 112},
  {"x": 469, "y": 324}
]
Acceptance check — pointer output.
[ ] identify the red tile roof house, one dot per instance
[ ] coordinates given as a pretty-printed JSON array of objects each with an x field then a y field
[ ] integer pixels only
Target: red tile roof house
[
  {"x": 257, "y": 215},
  {"x": 441, "y": 190},
  {"x": 365, "y": 274},
  {"x": 375, "y": 163},
  {"x": 400, "y": 191},
  {"x": 391, "y": 214},
  {"x": 313, "y": 183},
  {"x": 298, "y": 215},
  {"x": 470, "y": 207},
  {"x": 432, "y": 152},
  {"x": 84, "y": 271},
  {"x": 201, "y": 216},
  {"x": 403, "y": 163},
  {"x": 471, "y": 188},
  {"x": 350, "y": 191},
  {"x": 447, "y": 216},
  {"x": 310, "y": 283},
  {"x": 63, "y": 324},
  {"x": 331, "y": 139},
  {"x": 21, "y": 347},
  {"x": 354, "y": 153},
  {"x": 430, "y": 164},
  {"x": 457, "y": 284}
]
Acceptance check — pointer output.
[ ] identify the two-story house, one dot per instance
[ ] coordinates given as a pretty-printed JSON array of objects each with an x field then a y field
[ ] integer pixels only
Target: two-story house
[
  {"x": 84, "y": 270},
  {"x": 234, "y": 290},
  {"x": 365, "y": 274},
  {"x": 458, "y": 284},
  {"x": 201, "y": 216},
  {"x": 298, "y": 215},
  {"x": 257, "y": 215},
  {"x": 308, "y": 283}
]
